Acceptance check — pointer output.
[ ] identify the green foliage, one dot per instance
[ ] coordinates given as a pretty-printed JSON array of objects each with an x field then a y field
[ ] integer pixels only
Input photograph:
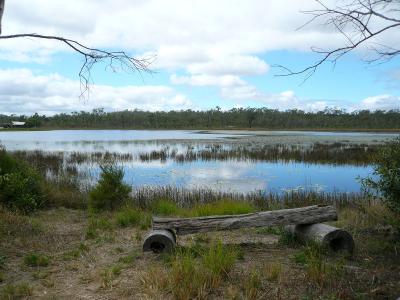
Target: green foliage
[
  {"x": 216, "y": 118},
  {"x": 166, "y": 207},
  {"x": 97, "y": 224},
  {"x": 222, "y": 207},
  {"x": 219, "y": 259},
  {"x": 130, "y": 216},
  {"x": 21, "y": 187},
  {"x": 195, "y": 271},
  {"x": 387, "y": 169},
  {"x": 15, "y": 291},
  {"x": 36, "y": 260},
  {"x": 318, "y": 269},
  {"x": 110, "y": 192}
]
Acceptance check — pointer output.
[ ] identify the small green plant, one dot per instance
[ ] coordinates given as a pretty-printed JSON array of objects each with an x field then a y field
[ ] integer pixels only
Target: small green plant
[
  {"x": 129, "y": 259},
  {"x": 76, "y": 253},
  {"x": 110, "y": 192},
  {"x": 36, "y": 260},
  {"x": 16, "y": 291},
  {"x": 219, "y": 259}
]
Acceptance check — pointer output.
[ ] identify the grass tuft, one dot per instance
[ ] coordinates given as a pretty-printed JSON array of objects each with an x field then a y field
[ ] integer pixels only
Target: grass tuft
[{"x": 36, "y": 260}]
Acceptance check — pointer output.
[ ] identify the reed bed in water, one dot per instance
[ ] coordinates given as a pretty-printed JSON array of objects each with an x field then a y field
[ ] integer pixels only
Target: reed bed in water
[
  {"x": 145, "y": 197},
  {"x": 337, "y": 153}
]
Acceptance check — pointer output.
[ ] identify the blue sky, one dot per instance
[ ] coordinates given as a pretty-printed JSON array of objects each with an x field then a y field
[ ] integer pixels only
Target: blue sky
[{"x": 207, "y": 55}]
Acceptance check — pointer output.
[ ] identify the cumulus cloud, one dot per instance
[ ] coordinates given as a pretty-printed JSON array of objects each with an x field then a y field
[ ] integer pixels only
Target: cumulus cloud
[
  {"x": 22, "y": 91},
  {"x": 380, "y": 102},
  {"x": 180, "y": 31}
]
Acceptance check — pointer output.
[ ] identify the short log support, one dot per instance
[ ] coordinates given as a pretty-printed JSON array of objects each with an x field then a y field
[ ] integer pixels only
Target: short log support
[
  {"x": 328, "y": 236},
  {"x": 162, "y": 240}
]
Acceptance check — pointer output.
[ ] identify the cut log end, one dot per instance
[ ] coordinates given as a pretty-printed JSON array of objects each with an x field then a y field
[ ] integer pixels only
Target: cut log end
[
  {"x": 160, "y": 241},
  {"x": 328, "y": 236}
]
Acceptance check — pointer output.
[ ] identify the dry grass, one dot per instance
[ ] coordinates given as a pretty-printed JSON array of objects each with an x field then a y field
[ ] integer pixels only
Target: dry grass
[{"x": 112, "y": 265}]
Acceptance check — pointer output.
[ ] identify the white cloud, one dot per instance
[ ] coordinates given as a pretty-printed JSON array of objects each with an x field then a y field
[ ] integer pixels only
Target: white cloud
[
  {"x": 233, "y": 64},
  {"x": 182, "y": 32},
  {"x": 28, "y": 92},
  {"x": 380, "y": 102},
  {"x": 208, "y": 80}
]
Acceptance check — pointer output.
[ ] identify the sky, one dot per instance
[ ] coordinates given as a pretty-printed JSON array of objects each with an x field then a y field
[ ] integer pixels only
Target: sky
[{"x": 204, "y": 54}]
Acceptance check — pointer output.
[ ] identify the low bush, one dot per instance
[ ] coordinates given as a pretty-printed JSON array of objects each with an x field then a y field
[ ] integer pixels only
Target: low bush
[
  {"x": 386, "y": 181},
  {"x": 21, "y": 187},
  {"x": 128, "y": 217},
  {"x": 110, "y": 192}
]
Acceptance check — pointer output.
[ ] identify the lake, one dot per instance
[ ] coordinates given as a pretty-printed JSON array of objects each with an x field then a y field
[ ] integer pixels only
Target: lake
[{"x": 239, "y": 175}]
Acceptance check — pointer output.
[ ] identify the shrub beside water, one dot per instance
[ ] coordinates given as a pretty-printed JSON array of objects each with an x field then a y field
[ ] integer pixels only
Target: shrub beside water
[
  {"x": 21, "y": 187},
  {"x": 110, "y": 192},
  {"x": 387, "y": 171}
]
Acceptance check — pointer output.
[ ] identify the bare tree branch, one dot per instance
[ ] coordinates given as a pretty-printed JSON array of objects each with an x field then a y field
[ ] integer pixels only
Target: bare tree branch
[
  {"x": 91, "y": 56},
  {"x": 359, "y": 22}
]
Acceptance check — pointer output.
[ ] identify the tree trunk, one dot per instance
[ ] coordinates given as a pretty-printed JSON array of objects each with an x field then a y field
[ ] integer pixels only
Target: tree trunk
[
  {"x": 328, "y": 236},
  {"x": 303, "y": 215}
]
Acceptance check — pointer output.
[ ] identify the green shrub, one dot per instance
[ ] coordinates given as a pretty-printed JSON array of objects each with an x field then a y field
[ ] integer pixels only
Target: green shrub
[
  {"x": 36, "y": 260},
  {"x": 387, "y": 169},
  {"x": 21, "y": 187},
  {"x": 110, "y": 192}
]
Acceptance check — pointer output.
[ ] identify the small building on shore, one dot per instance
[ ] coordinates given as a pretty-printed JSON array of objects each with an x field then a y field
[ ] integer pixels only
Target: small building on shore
[{"x": 13, "y": 124}]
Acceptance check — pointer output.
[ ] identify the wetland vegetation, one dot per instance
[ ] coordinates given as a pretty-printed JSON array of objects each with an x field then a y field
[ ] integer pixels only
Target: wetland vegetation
[{"x": 73, "y": 225}]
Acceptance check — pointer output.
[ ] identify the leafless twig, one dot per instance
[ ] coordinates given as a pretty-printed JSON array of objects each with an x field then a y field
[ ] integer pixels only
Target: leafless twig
[{"x": 359, "y": 22}]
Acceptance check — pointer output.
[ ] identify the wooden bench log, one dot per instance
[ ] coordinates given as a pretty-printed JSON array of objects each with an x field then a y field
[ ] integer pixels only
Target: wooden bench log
[
  {"x": 303, "y": 215},
  {"x": 328, "y": 236}
]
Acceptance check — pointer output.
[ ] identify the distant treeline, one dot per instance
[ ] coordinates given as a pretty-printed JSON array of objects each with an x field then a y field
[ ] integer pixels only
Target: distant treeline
[{"x": 240, "y": 118}]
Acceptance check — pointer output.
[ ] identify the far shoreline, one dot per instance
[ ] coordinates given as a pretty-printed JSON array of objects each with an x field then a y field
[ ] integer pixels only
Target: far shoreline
[{"x": 218, "y": 130}]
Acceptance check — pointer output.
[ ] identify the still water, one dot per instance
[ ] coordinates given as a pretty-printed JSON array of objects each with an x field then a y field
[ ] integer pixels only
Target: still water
[{"x": 232, "y": 175}]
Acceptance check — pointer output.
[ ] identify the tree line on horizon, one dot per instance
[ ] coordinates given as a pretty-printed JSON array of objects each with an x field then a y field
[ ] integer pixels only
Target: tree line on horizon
[{"x": 253, "y": 118}]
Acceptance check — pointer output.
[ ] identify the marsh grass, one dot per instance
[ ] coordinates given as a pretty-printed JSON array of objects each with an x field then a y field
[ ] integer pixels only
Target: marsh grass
[{"x": 330, "y": 153}]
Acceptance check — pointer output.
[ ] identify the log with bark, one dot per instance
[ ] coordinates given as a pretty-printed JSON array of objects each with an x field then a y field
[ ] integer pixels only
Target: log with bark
[{"x": 303, "y": 215}]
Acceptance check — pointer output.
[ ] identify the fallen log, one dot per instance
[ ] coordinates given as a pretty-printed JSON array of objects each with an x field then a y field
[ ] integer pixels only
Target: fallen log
[
  {"x": 328, "y": 236},
  {"x": 303, "y": 215}
]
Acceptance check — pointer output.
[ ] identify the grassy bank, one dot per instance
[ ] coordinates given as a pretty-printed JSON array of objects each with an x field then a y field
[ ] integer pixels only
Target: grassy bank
[{"x": 69, "y": 253}]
